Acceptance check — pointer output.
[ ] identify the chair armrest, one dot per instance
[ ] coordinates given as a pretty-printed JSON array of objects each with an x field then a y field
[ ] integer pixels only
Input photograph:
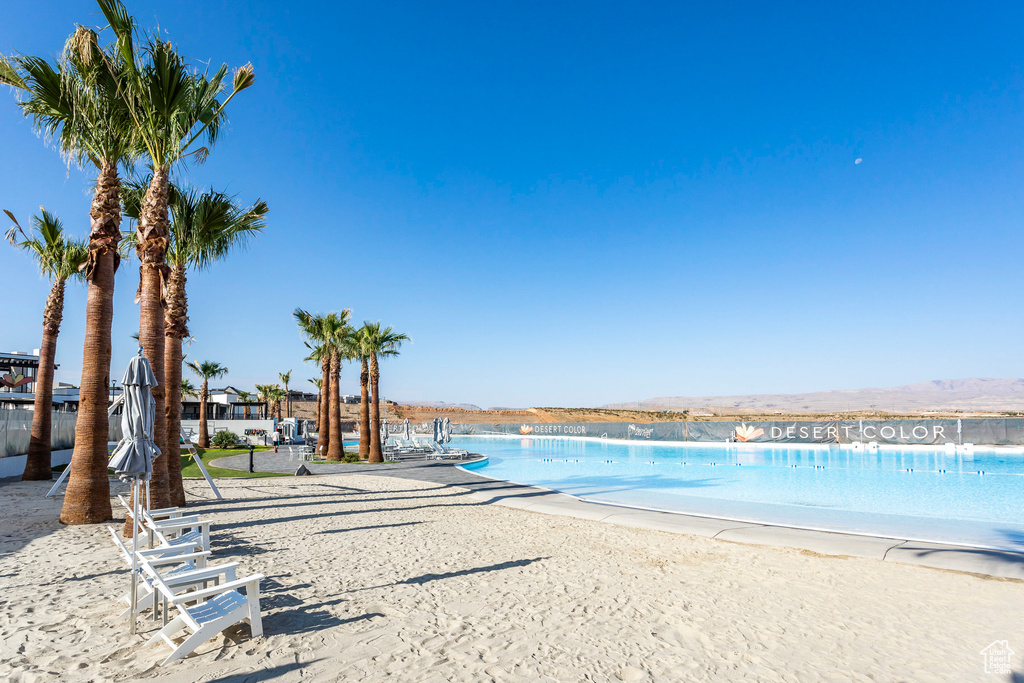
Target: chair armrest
[
  {"x": 196, "y": 575},
  {"x": 159, "y": 559},
  {"x": 217, "y": 590},
  {"x": 180, "y": 524}
]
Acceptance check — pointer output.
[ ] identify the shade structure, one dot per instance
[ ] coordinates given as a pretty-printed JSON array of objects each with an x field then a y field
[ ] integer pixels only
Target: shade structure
[
  {"x": 406, "y": 430},
  {"x": 133, "y": 458},
  {"x": 437, "y": 430},
  {"x": 446, "y": 430},
  {"x": 383, "y": 430}
]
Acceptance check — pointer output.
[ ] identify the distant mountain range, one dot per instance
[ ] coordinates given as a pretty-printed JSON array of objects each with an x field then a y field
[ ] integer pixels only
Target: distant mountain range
[
  {"x": 441, "y": 405},
  {"x": 974, "y": 394}
]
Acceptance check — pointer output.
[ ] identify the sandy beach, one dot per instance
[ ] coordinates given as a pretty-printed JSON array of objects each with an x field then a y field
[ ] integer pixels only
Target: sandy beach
[{"x": 372, "y": 578}]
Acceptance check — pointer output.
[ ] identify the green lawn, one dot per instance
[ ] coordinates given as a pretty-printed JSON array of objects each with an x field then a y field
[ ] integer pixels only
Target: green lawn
[{"x": 190, "y": 469}]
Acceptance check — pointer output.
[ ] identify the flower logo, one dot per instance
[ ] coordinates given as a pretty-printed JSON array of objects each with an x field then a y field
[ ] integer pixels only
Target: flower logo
[
  {"x": 14, "y": 381},
  {"x": 525, "y": 429},
  {"x": 747, "y": 432}
]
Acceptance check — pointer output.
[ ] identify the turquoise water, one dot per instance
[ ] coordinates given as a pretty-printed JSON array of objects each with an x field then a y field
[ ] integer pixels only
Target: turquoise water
[{"x": 910, "y": 494}]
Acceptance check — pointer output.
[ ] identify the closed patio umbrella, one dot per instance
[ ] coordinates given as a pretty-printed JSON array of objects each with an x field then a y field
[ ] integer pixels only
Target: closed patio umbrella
[
  {"x": 406, "y": 430},
  {"x": 446, "y": 430},
  {"x": 133, "y": 458},
  {"x": 383, "y": 431}
]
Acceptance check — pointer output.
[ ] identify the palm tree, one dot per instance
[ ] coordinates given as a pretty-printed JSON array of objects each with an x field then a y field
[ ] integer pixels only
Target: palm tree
[
  {"x": 364, "y": 393},
  {"x": 318, "y": 383},
  {"x": 339, "y": 334},
  {"x": 246, "y": 398},
  {"x": 59, "y": 258},
  {"x": 77, "y": 103},
  {"x": 172, "y": 106},
  {"x": 285, "y": 378},
  {"x": 208, "y": 370},
  {"x": 273, "y": 394},
  {"x": 263, "y": 392},
  {"x": 187, "y": 389},
  {"x": 312, "y": 327},
  {"x": 378, "y": 342},
  {"x": 204, "y": 228}
]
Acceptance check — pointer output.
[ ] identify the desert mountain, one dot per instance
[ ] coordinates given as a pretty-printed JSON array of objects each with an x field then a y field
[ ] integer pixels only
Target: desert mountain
[{"x": 974, "y": 394}]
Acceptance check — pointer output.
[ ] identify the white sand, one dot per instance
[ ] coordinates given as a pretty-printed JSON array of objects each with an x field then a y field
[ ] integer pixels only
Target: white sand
[{"x": 371, "y": 579}]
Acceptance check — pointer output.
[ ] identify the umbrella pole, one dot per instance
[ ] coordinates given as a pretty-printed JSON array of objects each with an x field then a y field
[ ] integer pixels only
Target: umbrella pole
[{"x": 135, "y": 549}]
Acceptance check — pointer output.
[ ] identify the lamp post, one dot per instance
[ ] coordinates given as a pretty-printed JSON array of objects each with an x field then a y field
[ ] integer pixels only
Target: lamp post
[{"x": 250, "y": 460}]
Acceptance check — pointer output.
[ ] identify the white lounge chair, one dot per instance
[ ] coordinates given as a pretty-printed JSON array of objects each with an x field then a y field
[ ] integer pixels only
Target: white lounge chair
[
  {"x": 182, "y": 571},
  {"x": 185, "y": 532},
  {"x": 215, "y": 609}
]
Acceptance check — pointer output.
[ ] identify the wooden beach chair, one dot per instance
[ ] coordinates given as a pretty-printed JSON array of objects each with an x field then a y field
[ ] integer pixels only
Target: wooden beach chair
[
  {"x": 211, "y": 611},
  {"x": 181, "y": 570},
  {"x": 184, "y": 532}
]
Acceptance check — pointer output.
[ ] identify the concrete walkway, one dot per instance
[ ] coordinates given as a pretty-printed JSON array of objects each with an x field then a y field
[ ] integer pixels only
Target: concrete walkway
[{"x": 957, "y": 558}]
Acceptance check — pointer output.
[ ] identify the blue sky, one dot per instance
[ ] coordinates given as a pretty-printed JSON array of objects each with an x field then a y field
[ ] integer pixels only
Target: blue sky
[{"x": 589, "y": 202}]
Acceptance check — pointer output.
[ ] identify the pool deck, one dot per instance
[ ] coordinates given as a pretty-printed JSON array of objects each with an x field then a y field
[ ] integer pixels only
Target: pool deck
[{"x": 1002, "y": 564}]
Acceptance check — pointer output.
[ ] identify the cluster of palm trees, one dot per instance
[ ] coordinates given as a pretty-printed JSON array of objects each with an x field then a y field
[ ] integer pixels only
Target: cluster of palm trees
[
  {"x": 333, "y": 341},
  {"x": 130, "y": 103}
]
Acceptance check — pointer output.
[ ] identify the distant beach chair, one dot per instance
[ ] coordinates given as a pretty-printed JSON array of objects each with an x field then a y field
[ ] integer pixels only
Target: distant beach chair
[{"x": 212, "y": 610}]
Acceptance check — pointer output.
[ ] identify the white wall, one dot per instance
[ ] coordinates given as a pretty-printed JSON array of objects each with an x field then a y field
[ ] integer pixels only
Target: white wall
[{"x": 14, "y": 466}]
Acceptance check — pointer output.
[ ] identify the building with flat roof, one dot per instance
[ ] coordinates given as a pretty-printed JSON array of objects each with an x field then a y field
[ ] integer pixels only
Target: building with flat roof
[{"x": 18, "y": 372}]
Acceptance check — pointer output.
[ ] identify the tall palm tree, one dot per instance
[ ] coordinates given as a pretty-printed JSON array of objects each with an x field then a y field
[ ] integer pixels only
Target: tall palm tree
[
  {"x": 188, "y": 389},
  {"x": 172, "y": 106},
  {"x": 321, "y": 357},
  {"x": 318, "y": 383},
  {"x": 378, "y": 342},
  {"x": 208, "y": 370},
  {"x": 339, "y": 334},
  {"x": 59, "y": 258},
  {"x": 204, "y": 228},
  {"x": 311, "y": 326},
  {"x": 364, "y": 393},
  {"x": 285, "y": 378},
  {"x": 77, "y": 103}
]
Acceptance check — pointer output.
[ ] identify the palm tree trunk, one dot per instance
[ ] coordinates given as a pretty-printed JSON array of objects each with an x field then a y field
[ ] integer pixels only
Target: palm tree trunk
[
  {"x": 175, "y": 329},
  {"x": 364, "y": 409},
  {"x": 376, "y": 454},
  {"x": 336, "y": 449},
  {"x": 324, "y": 435},
  {"x": 204, "y": 395},
  {"x": 152, "y": 239},
  {"x": 87, "y": 499},
  {"x": 172, "y": 373},
  {"x": 288, "y": 400},
  {"x": 38, "y": 466},
  {"x": 316, "y": 413}
]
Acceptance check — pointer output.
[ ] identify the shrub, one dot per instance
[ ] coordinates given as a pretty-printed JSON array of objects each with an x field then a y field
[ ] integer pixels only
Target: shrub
[
  {"x": 351, "y": 457},
  {"x": 224, "y": 439}
]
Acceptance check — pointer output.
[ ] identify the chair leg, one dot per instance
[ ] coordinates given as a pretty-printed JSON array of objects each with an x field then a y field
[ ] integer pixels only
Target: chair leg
[
  {"x": 174, "y": 626},
  {"x": 252, "y": 596},
  {"x": 190, "y": 644}
]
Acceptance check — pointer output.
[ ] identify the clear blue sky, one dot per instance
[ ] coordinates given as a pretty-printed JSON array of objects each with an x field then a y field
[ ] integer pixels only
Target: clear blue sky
[{"x": 580, "y": 203}]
